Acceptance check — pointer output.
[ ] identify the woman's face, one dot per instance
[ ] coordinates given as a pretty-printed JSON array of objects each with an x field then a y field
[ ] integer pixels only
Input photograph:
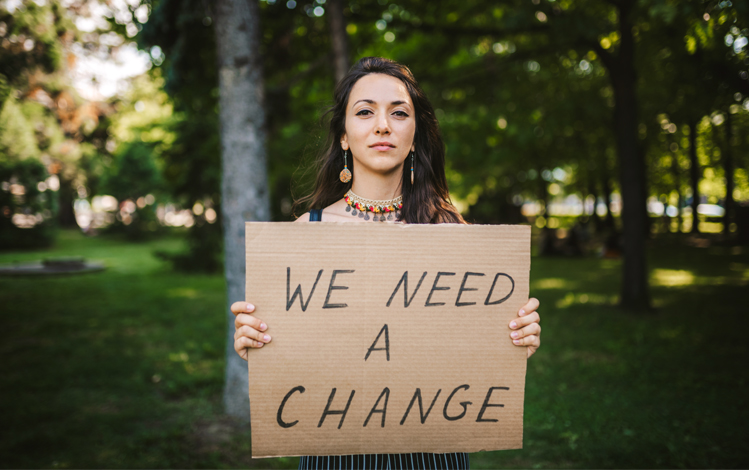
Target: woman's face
[{"x": 380, "y": 124}]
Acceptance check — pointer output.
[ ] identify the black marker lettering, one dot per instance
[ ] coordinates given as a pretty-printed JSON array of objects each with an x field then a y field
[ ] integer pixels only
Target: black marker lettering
[
  {"x": 335, "y": 412},
  {"x": 386, "y": 393},
  {"x": 404, "y": 281},
  {"x": 298, "y": 291},
  {"x": 486, "y": 405},
  {"x": 463, "y": 288},
  {"x": 486, "y": 302},
  {"x": 423, "y": 416},
  {"x": 387, "y": 344},
  {"x": 464, "y": 404},
  {"x": 280, "y": 420},
  {"x": 332, "y": 287},
  {"x": 434, "y": 288}
]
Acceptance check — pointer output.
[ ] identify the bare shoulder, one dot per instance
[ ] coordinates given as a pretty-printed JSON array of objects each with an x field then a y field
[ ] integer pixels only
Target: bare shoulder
[{"x": 303, "y": 218}]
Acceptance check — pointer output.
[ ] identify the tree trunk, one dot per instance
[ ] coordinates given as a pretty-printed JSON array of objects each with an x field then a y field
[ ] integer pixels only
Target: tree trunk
[
  {"x": 593, "y": 190},
  {"x": 610, "y": 223},
  {"x": 544, "y": 194},
  {"x": 728, "y": 170},
  {"x": 244, "y": 184},
  {"x": 66, "y": 198},
  {"x": 634, "y": 290},
  {"x": 694, "y": 175},
  {"x": 677, "y": 183},
  {"x": 647, "y": 221},
  {"x": 339, "y": 38}
]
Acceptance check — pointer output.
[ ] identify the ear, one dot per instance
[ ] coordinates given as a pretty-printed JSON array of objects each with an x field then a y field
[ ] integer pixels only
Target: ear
[
  {"x": 413, "y": 147},
  {"x": 344, "y": 142}
]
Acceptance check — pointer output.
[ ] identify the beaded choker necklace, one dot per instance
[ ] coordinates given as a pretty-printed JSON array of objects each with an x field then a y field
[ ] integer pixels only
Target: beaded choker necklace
[{"x": 359, "y": 206}]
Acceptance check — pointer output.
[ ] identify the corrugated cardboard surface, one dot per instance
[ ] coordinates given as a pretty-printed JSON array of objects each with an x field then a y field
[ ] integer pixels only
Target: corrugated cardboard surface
[{"x": 432, "y": 348}]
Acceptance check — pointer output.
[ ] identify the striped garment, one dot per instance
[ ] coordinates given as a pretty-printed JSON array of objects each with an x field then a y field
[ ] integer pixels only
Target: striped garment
[{"x": 420, "y": 460}]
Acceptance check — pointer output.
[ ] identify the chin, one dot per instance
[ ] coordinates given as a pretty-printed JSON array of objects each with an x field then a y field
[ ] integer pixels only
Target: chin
[
  {"x": 384, "y": 167},
  {"x": 383, "y": 163}
]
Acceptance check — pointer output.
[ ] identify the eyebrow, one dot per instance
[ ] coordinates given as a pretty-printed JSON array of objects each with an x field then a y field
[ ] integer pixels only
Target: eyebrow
[{"x": 394, "y": 103}]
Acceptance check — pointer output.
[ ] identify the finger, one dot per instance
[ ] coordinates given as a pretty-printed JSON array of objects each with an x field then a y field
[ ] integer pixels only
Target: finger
[
  {"x": 529, "y": 307},
  {"x": 241, "y": 351},
  {"x": 531, "y": 340},
  {"x": 242, "y": 307},
  {"x": 245, "y": 342},
  {"x": 520, "y": 322},
  {"x": 249, "y": 320},
  {"x": 532, "y": 329},
  {"x": 251, "y": 333}
]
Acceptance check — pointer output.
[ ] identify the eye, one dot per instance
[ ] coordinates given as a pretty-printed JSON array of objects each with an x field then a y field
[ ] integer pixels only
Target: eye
[
  {"x": 401, "y": 113},
  {"x": 364, "y": 112}
]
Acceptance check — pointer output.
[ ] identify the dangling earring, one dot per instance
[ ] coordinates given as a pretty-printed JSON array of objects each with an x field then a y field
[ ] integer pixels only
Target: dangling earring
[
  {"x": 345, "y": 173},
  {"x": 412, "y": 167}
]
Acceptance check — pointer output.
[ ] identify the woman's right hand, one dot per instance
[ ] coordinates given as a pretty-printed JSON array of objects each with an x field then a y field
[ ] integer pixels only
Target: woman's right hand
[{"x": 249, "y": 332}]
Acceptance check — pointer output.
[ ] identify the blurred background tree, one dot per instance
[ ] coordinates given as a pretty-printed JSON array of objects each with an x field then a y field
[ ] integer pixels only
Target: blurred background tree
[
  {"x": 606, "y": 121},
  {"x": 180, "y": 39},
  {"x": 31, "y": 84}
]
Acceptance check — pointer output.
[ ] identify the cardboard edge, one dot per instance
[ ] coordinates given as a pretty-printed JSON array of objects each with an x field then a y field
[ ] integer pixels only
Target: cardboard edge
[
  {"x": 457, "y": 451},
  {"x": 521, "y": 227}
]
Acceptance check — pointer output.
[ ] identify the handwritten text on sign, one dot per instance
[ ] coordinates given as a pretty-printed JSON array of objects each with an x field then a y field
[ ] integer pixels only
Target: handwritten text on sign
[{"x": 386, "y": 338}]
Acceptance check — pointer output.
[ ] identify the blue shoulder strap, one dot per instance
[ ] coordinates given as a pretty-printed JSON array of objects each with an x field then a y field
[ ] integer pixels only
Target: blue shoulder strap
[{"x": 315, "y": 215}]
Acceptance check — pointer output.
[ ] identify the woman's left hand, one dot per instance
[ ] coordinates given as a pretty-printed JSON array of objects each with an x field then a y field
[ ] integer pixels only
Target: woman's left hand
[{"x": 526, "y": 330}]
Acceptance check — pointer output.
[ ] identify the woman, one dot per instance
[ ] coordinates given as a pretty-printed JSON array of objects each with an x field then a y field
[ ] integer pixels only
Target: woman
[{"x": 385, "y": 163}]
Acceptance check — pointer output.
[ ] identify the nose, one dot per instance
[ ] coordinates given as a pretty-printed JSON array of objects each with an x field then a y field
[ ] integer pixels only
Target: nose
[{"x": 382, "y": 127}]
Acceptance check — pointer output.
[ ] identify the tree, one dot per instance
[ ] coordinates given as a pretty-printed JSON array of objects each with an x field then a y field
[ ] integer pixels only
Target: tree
[
  {"x": 180, "y": 37},
  {"x": 339, "y": 39},
  {"x": 41, "y": 117},
  {"x": 132, "y": 176},
  {"x": 244, "y": 188},
  {"x": 581, "y": 26}
]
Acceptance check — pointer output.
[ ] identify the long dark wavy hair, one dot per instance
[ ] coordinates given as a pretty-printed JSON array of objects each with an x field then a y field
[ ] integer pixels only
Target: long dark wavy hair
[{"x": 427, "y": 201}]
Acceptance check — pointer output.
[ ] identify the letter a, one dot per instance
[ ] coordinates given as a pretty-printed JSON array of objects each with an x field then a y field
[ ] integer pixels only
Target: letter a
[
  {"x": 385, "y": 393},
  {"x": 387, "y": 344}
]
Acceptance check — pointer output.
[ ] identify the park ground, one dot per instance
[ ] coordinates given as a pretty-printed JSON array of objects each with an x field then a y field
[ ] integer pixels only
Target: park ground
[{"x": 124, "y": 368}]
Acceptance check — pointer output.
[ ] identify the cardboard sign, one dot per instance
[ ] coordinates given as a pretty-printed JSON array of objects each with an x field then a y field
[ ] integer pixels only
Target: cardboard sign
[{"x": 386, "y": 338}]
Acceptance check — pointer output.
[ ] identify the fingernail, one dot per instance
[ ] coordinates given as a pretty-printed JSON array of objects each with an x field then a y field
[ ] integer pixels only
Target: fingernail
[
  {"x": 522, "y": 312},
  {"x": 250, "y": 307},
  {"x": 263, "y": 327},
  {"x": 266, "y": 338},
  {"x": 260, "y": 345},
  {"x": 514, "y": 334},
  {"x": 513, "y": 325},
  {"x": 516, "y": 341}
]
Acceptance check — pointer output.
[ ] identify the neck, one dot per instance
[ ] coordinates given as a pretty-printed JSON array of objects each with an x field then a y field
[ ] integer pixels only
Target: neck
[{"x": 377, "y": 186}]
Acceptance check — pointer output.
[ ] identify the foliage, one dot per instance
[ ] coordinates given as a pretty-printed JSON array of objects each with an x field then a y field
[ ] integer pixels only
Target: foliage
[
  {"x": 179, "y": 34},
  {"x": 17, "y": 138},
  {"x": 131, "y": 177},
  {"x": 42, "y": 115},
  {"x": 520, "y": 88},
  {"x": 35, "y": 37},
  {"x": 24, "y": 195},
  {"x": 133, "y": 173}
]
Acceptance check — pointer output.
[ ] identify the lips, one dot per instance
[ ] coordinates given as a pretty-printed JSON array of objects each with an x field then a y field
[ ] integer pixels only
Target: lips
[{"x": 382, "y": 146}]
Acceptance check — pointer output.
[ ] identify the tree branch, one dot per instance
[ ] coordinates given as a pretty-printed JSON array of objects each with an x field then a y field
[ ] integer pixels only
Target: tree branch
[{"x": 457, "y": 30}]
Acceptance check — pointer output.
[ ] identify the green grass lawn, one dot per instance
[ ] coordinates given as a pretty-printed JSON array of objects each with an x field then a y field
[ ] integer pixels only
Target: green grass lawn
[{"x": 124, "y": 368}]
